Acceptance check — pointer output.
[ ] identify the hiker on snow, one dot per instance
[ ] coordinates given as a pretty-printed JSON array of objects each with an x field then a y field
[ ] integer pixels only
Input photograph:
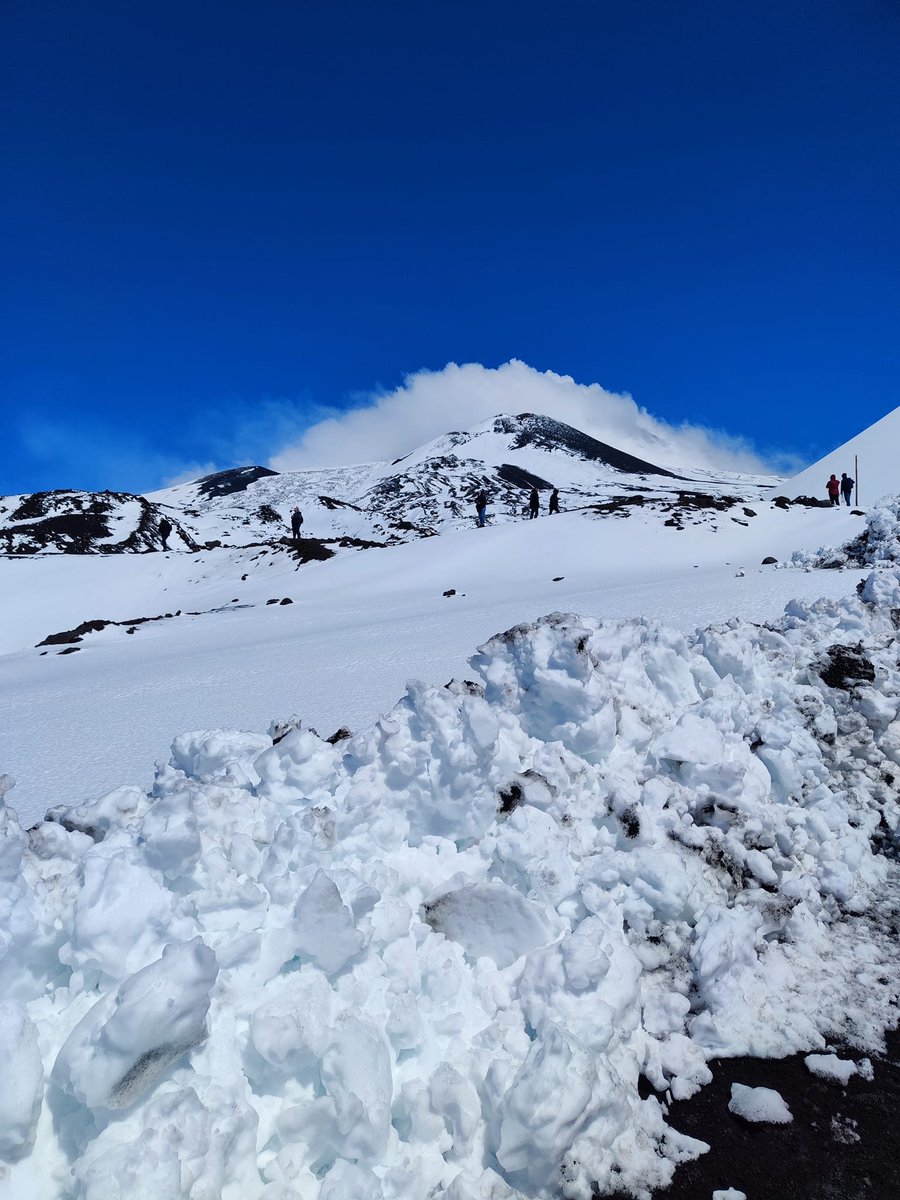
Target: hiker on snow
[
  {"x": 165, "y": 528},
  {"x": 846, "y": 487},
  {"x": 296, "y": 522},
  {"x": 834, "y": 490},
  {"x": 553, "y": 506},
  {"x": 534, "y": 504},
  {"x": 481, "y": 507}
]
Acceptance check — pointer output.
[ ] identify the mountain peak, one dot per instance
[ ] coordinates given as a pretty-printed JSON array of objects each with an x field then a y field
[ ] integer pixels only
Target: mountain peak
[{"x": 546, "y": 433}]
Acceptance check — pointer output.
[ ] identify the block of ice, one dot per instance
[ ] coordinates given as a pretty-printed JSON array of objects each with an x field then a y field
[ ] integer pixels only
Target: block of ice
[
  {"x": 130, "y": 1037},
  {"x": 22, "y": 1088}
]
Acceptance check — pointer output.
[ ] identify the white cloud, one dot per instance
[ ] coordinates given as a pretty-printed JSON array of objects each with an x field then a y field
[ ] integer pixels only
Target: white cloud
[
  {"x": 458, "y": 397},
  {"x": 188, "y": 472}
]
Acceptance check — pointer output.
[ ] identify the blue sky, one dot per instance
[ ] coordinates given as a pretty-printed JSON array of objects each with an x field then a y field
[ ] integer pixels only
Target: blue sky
[{"x": 225, "y": 221}]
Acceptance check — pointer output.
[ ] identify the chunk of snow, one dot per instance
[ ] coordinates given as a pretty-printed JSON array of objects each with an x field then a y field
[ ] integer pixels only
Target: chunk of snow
[
  {"x": 22, "y": 1091},
  {"x": 491, "y": 920},
  {"x": 325, "y": 932},
  {"x": 130, "y": 1037},
  {"x": 759, "y": 1104},
  {"x": 829, "y": 1066}
]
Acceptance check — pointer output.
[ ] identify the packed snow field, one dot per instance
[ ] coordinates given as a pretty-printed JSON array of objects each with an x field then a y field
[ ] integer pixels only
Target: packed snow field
[
  {"x": 474, "y": 948},
  {"x": 75, "y": 725},
  {"x": 436, "y": 958}
]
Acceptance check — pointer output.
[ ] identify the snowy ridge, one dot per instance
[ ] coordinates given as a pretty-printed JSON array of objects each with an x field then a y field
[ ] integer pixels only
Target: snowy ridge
[
  {"x": 430, "y": 490},
  {"x": 438, "y": 957},
  {"x": 872, "y": 455}
]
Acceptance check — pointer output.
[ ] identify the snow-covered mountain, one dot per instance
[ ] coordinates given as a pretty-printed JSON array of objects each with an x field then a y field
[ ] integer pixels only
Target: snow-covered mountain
[
  {"x": 474, "y": 939},
  {"x": 428, "y": 491}
]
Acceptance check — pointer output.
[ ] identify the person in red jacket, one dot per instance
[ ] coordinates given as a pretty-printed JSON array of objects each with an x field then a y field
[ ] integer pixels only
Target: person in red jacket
[{"x": 834, "y": 489}]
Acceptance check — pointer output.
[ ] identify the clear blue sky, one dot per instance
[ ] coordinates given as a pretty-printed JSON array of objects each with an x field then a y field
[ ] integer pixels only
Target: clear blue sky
[{"x": 215, "y": 210}]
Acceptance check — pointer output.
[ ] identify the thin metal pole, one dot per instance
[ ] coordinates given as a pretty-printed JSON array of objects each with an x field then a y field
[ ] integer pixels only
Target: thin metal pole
[{"x": 856, "y": 476}]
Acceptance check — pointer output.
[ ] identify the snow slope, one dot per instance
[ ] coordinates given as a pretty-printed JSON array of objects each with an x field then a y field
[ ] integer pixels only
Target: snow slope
[
  {"x": 879, "y": 467},
  {"x": 439, "y": 957},
  {"x": 73, "y": 725}
]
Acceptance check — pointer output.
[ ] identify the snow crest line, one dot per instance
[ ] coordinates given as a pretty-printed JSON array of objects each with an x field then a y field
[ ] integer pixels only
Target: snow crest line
[{"x": 438, "y": 957}]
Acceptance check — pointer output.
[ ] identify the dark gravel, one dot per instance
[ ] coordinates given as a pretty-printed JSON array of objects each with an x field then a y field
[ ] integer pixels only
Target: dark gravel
[{"x": 843, "y": 1144}]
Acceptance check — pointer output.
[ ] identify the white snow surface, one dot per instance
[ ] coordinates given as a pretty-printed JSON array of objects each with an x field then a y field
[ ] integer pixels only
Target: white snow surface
[
  {"x": 759, "y": 1105},
  {"x": 436, "y": 956},
  {"x": 75, "y": 725}
]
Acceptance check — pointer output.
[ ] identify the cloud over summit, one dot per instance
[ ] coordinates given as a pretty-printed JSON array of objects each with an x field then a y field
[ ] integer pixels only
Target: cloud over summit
[{"x": 460, "y": 396}]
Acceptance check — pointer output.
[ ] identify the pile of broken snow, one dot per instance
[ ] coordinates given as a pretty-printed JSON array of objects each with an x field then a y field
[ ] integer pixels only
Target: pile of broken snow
[
  {"x": 877, "y": 546},
  {"x": 473, "y": 950}
]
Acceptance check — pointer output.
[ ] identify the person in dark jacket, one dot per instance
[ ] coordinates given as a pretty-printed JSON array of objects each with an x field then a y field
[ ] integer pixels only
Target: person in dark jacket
[
  {"x": 834, "y": 490},
  {"x": 296, "y": 522},
  {"x": 553, "y": 506},
  {"x": 846, "y": 487},
  {"x": 481, "y": 507},
  {"x": 534, "y": 504},
  {"x": 165, "y": 528}
]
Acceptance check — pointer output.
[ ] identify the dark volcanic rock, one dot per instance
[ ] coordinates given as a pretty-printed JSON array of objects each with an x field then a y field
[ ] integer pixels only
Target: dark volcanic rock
[
  {"x": 339, "y": 735},
  {"x": 519, "y": 477},
  {"x": 812, "y": 502},
  {"x": 313, "y": 549},
  {"x": 846, "y": 667},
  {"x": 534, "y": 430},
  {"x": 75, "y": 522},
  {"x": 225, "y": 483},
  {"x": 843, "y": 1144},
  {"x": 268, "y": 514},
  {"x": 70, "y": 636},
  {"x": 331, "y": 504}
]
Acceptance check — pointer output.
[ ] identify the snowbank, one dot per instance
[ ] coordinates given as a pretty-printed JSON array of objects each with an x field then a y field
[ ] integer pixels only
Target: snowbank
[
  {"x": 877, "y": 546},
  {"x": 438, "y": 958}
]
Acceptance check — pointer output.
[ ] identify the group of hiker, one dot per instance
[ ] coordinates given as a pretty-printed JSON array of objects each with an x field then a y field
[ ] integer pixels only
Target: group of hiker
[
  {"x": 481, "y": 503},
  {"x": 840, "y": 487},
  {"x": 534, "y": 505}
]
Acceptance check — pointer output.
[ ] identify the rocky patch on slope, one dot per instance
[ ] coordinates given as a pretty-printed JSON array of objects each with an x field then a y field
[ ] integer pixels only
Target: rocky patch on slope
[{"x": 75, "y": 522}]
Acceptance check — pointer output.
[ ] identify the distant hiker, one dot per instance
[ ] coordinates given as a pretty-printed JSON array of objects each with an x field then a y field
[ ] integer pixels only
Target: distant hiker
[
  {"x": 481, "y": 507},
  {"x": 834, "y": 490},
  {"x": 296, "y": 522},
  {"x": 553, "y": 506},
  {"x": 165, "y": 528},
  {"x": 847, "y": 487},
  {"x": 534, "y": 504}
]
